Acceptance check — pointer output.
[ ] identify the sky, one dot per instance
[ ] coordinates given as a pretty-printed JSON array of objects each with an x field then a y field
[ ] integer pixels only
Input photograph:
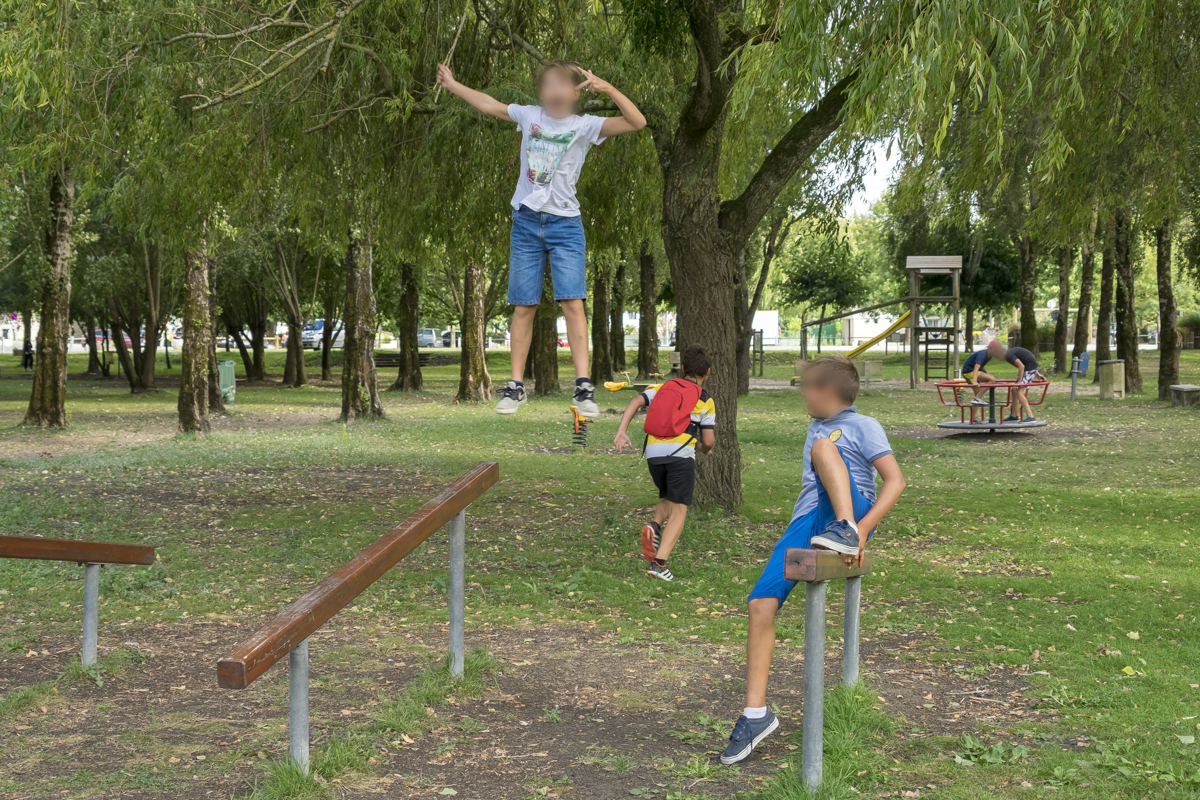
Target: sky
[{"x": 875, "y": 182}]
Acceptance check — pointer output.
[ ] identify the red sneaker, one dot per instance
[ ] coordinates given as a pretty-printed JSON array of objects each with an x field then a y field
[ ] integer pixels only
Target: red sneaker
[{"x": 651, "y": 536}]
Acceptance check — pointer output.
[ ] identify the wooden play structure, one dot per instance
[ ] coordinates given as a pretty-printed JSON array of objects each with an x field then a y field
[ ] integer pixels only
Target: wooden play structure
[{"x": 940, "y": 343}]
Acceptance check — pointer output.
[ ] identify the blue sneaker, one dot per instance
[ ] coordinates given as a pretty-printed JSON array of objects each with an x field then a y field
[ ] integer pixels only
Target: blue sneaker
[
  {"x": 839, "y": 537},
  {"x": 747, "y": 733},
  {"x": 1012, "y": 418},
  {"x": 1029, "y": 419}
]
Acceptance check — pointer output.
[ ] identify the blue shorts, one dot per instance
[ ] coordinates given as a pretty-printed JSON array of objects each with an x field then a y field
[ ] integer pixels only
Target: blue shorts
[
  {"x": 536, "y": 235},
  {"x": 799, "y": 534}
]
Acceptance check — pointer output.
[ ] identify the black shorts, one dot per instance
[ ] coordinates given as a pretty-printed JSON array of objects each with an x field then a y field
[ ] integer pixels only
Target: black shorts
[{"x": 675, "y": 479}]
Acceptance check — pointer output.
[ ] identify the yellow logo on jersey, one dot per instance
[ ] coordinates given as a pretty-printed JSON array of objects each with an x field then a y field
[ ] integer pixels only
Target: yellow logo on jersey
[{"x": 835, "y": 435}]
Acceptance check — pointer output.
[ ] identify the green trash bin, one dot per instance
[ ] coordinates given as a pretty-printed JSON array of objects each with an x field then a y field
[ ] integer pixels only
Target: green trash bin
[{"x": 226, "y": 381}]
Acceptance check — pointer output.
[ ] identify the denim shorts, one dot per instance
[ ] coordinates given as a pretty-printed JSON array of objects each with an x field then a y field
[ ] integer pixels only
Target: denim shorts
[{"x": 536, "y": 235}]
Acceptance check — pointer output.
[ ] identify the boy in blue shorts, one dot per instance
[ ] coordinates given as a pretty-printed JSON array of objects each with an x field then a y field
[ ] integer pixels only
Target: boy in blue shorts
[
  {"x": 838, "y": 509},
  {"x": 546, "y": 218}
]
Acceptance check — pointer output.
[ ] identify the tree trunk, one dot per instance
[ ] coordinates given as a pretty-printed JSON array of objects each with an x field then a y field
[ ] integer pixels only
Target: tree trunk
[
  {"x": 969, "y": 327},
  {"x": 474, "y": 383},
  {"x": 647, "y": 365},
  {"x": 1087, "y": 279},
  {"x": 216, "y": 403},
  {"x": 409, "y": 319},
  {"x": 747, "y": 332},
  {"x": 243, "y": 351},
  {"x": 1168, "y": 314},
  {"x": 360, "y": 385},
  {"x": 93, "y": 367},
  {"x": 601, "y": 357},
  {"x": 1027, "y": 251},
  {"x": 820, "y": 328},
  {"x": 543, "y": 352},
  {"x": 1066, "y": 260},
  {"x": 48, "y": 401},
  {"x": 616, "y": 316},
  {"x": 704, "y": 274},
  {"x": 1126, "y": 312},
  {"x": 1105, "y": 315},
  {"x": 293, "y": 365},
  {"x": 124, "y": 357},
  {"x": 327, "y": 334},
  {"x": 258, "y": 350},
  {"x": 197, "y": 344}
]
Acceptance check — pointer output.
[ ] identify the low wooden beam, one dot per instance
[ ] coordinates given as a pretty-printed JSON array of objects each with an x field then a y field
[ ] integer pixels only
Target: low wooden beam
[
  {"x": 294, "y": 624},
  {"x": 805, "y": 564},
  {"x": 35, "y": 547}
]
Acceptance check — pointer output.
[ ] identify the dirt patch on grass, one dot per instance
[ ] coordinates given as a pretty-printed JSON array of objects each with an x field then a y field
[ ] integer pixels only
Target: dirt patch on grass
[
  {"x": 610, "y": 715},
  {"x": 1050, "y": 433}
]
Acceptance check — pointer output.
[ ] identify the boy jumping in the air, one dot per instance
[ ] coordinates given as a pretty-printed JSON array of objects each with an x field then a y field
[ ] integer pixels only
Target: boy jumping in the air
[
  {"x": 680, "y": 420},
  {"x": 837, "y": 510},
  {"x": 546, "y": 220},
  {"x": 972, "y": 369}
]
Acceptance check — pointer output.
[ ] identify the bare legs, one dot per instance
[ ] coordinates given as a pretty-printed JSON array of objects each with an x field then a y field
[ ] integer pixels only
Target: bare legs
[
  {"x": 981, "y": 387},
  {"x": 673, "y": 515},
  {"x": 760, "y": 646},
  {"x": 522, "y": 336},
  {"x": 760, "y": 642},
  {"x": 835, "y": 477},
  {"x": 577, "y": 337}
]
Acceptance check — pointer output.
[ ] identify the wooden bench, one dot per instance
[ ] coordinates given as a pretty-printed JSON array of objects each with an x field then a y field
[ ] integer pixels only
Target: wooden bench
[
  {"x": 287, "y": 634},
  {"x": 1185, "y": 394},
  {"x": 816, "y": 568},
  {"x": 394, "y": 360},
  {"x": 91, "y": 555}
]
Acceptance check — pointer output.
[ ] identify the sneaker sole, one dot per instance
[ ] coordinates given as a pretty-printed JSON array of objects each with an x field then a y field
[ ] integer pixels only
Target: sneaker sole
[
  {"x": 590, "y": 413},
  {"x": 660, "y": 576},
  {"x": 512, "y": 410},
  {"x": 820, "y": 542},
  {"x": 649, "y": 551},
  {"x": 742, "y": 756}
]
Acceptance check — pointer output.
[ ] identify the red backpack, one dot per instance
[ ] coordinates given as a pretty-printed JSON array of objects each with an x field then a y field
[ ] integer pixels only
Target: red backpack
[{"x": 670, "y": 412}]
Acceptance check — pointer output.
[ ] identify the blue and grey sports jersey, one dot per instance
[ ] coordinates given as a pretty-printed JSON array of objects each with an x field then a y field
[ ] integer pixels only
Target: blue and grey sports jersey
[{"x": 861, "y": 440}]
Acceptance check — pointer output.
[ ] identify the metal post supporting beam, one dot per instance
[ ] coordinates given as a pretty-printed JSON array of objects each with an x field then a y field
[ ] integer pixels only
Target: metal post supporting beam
[
  {"x": 814, "y": 683},
  {"x": 91, "y": 612},
  {"x": 851, "y": 631},
  {"x": 1074, "y": 375},
  {"x": 298, "y": 704},
  {"x": 458, "y": 568}
]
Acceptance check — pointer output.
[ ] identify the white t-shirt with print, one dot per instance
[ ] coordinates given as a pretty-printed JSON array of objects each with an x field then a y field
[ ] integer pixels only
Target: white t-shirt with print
[{"x": 552, "y": 153}]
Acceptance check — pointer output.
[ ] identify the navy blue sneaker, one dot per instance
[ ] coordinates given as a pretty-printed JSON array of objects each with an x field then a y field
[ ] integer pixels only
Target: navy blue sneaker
[
  {"x": 1012, "y": 418},
  {"x": 838, "y": 536},
  {"x": 747, "y": 733}
]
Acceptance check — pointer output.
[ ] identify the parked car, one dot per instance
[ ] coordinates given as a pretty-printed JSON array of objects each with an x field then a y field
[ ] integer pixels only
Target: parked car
[
  {"x": 428, "y": 337},
  {"x": 446, "y": 338},
  {"x": 312, "y": 335},
  {"x": 563, "y": 342},
  {"x": 102, "y": 335}
]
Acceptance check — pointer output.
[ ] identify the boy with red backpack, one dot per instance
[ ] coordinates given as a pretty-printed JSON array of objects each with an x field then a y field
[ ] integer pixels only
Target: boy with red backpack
[{"x": 680, "y": 420}]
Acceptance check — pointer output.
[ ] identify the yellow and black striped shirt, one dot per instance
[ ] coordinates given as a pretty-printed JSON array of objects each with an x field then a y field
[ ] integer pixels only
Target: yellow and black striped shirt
[{"x": 704, "y": 415}]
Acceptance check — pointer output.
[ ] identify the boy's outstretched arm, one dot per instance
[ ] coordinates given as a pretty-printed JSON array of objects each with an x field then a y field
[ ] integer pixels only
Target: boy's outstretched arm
[
  {"x": 622, "y": 438},
  {"x": 889, "y": 493},
  {"x": 631, "y": 119},
  {"x": 480, "y": 101}
]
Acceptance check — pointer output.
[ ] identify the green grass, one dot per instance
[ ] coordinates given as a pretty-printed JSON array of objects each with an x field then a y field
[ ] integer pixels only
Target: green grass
[{"x": 1089, "y": 524}]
